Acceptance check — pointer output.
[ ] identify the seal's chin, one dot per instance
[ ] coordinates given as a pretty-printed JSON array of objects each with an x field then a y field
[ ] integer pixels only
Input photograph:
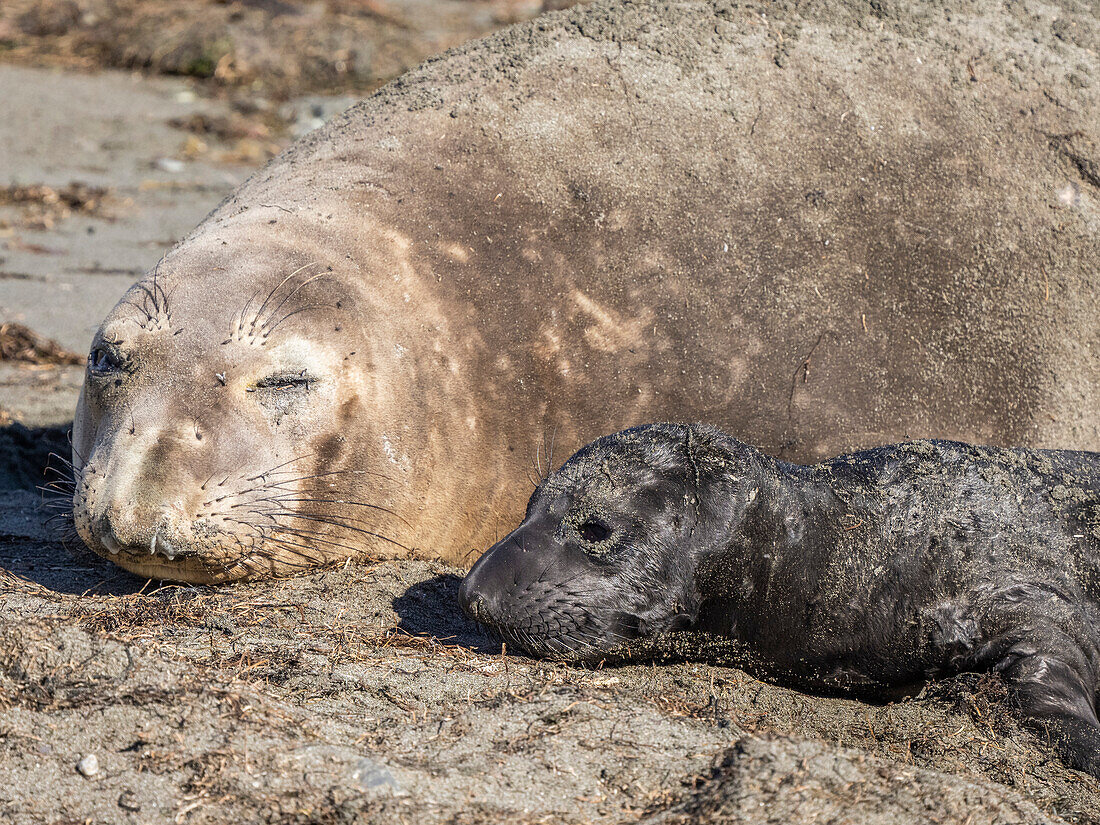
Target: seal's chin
[
  {"x": 153, "y": 567},
  {"x": 177, "y": 566},
  {"x": 560, "y": 638},
  {"x": 177, "y": 556}
]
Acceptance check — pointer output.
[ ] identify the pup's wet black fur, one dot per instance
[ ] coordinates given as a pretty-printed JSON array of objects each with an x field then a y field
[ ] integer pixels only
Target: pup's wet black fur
[{"x": 867, "y": 574}]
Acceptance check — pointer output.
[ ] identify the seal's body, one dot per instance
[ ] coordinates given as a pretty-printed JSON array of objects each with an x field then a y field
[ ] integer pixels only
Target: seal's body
[
  {"x": 868, "y": 573},
  {"x": 624, "y": 213}
]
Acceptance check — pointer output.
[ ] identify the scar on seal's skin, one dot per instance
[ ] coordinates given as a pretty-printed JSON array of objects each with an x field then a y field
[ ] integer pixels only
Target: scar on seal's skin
[{"x": 867, "y": 574}]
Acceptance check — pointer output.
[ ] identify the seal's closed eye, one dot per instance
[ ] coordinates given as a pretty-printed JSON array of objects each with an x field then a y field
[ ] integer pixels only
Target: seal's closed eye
[{"x": 300, "y": 380}]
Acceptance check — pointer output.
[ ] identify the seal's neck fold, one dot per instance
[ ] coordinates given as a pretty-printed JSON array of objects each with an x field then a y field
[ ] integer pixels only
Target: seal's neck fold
[{"x": 771, "y": 525}]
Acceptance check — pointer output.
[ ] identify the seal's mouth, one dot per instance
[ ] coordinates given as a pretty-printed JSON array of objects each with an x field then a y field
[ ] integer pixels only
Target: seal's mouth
[
  {"x": 156, "y": 567},
  {"x": 160, "y": 559},
  {"x": 288, "y": 519},
  {"x": 158, "y": 545},
  {"x": 572, "y": 646}
]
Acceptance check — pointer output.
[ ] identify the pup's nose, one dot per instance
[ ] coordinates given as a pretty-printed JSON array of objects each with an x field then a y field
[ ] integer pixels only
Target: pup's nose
[
  {"x": 473, "y": 602},
  {"x": 489, "y": 589}
]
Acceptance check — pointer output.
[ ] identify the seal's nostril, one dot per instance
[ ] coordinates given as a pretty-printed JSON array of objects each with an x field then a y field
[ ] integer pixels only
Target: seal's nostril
[
  {"x": 472, "y": 602},
  {"x": 477, "y": 607}
]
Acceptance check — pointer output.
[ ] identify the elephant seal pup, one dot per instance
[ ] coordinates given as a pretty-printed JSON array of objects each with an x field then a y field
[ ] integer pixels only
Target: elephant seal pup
[{"x": 864, "y": 574}]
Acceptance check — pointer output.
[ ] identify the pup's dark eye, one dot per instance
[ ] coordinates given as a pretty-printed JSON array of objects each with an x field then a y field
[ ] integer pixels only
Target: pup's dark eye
[
  {"x": 102, "y": 360},
  {"x": 593, "y": 530}
]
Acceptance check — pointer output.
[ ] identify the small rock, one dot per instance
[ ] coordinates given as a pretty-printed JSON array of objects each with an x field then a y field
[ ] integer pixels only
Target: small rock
[
  {"x": 89, "y": 765},
  {"x": 169, "y": 165},
  {"x": 1070, "y": 195},
  {"x": 128, "y": 801},
  {"x": 373, "y": 777}
]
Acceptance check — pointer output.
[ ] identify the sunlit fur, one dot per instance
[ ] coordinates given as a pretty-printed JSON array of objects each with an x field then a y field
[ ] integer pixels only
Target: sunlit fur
[{"x": 205, "y": 443}]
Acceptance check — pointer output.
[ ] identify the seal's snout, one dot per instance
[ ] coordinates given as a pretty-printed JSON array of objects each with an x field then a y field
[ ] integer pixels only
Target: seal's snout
[
  {"x": 486, "y": 590},
  {"x": 473, "y": 605},
  {"x": 139, "y": 531},
  {"x": 473, "y": 596}
]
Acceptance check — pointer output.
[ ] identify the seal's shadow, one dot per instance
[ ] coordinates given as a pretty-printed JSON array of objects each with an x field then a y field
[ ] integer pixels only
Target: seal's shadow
[
  {"x": 63, "y": 570},
  {"x": 29, "y": 549},
  {"x": 430, "y": 608}
]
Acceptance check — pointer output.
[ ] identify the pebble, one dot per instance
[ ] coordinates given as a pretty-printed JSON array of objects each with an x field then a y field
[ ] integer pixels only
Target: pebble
[
  {"x": 89, "y": 765},
  {"x": 376, "y": 778},
  {"x": 168, "y": 165}
]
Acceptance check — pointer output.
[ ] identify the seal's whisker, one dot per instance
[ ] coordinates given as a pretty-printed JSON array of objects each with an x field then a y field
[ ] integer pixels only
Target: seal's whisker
[
  {"x": 140, "y": 309},
  {"x": 269, "y": 537},
  {"x": 272, "y": 500},
  {"x": 293, "y": 547},
  {"x": 267, "y": 330},
  {"x": 550, "y": 456},
  {"x": 55, "y": 498},
  {"x": 322, "y": 520},
  {"x": 345, "y": 521},
  {"x": 62, "y": 483},
  {"x": 294, "y": 292},
  {"x": 56, "y": 495},
  {"x": 76, "y": 452},
  {"x": 238, "y": 321},
  {"x": 272, "y": 470},
  {"x": 56, "y": 501},
  {"x": 54, "y": 457},
  {"x": 150, "y": 296},
  {"x": 314, "y": 536},
  {"x": 349, "y": 502},
  {"x": 271, "y": 294},
  {"x": 340, "y": 472},
  {"x": 160, "y": 303}
]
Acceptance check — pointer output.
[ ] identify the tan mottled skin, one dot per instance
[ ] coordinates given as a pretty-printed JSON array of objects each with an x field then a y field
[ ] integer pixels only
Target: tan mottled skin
[{"x": 561, "y": 231}]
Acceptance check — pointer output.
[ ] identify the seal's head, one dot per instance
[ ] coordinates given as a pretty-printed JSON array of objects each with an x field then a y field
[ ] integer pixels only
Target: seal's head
[
  {"x": 608, "y": 550},
  {"x": 218, "y": 435}
]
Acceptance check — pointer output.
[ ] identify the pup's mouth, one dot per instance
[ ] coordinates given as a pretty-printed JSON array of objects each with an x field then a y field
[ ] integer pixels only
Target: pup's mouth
[{"x": 551, "y": 636}]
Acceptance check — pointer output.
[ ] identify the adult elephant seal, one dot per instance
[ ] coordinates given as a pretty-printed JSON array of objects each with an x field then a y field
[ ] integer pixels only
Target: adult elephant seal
[
  {"x": 867, "y": 573},
  {"x": 813, "y": 228}
]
